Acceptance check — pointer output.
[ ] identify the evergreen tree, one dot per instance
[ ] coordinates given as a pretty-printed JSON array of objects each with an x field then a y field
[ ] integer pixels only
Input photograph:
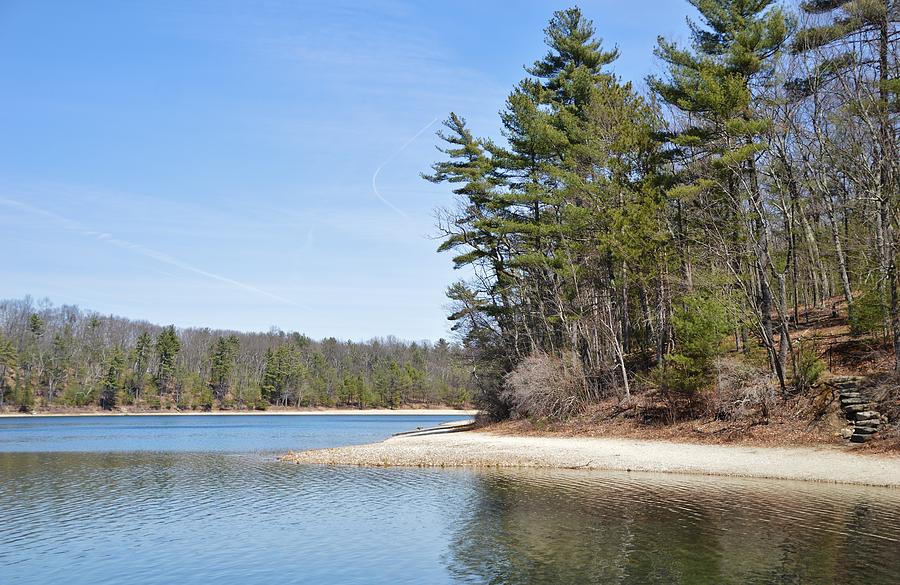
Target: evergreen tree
[
  {"x": 222, "y": 364},
  {"x": 716, "y": 85},
  {"x": 539, "y": 217},
  {"x": 284, "y": 375},
  {"x": 167, "y": 347},
  {"x": 9, "y": 361},
  {"x": 140, "y": 363},
  {"x": 112, "y": 379}
]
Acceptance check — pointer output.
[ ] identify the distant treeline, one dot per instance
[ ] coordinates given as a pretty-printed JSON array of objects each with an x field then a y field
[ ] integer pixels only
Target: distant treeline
[{"x": 64, "y": 356}]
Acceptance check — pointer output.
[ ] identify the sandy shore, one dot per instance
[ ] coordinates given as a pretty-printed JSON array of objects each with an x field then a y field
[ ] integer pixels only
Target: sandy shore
[
  {"x": 479, "y": 449},
  {"x": 319, "y": 412}
]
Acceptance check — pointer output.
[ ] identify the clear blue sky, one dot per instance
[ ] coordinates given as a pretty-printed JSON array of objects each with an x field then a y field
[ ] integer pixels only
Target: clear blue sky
[{"x": 211, "y": 163}]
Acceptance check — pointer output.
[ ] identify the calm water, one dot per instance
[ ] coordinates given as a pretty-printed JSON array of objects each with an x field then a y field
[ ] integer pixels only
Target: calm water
[{"x": 202, "y": 500}]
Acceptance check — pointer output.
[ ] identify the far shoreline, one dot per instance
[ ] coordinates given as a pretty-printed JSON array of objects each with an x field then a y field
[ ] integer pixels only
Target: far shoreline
[{"x": 279, "y": 412}]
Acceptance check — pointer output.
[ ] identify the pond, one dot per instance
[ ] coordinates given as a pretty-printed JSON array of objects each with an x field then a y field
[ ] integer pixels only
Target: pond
[{"x": 201, "y": 499}]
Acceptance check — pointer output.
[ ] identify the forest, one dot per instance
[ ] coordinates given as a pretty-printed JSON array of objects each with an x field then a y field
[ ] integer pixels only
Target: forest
[
  {"x": 675, "y": 238},
  {"x": 54, "y": 357}
]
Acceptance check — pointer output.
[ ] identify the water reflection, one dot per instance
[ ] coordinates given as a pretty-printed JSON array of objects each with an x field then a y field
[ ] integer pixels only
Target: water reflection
[
  {"x": 148, "y": 518},
  {"x": 571, "y": 527}
]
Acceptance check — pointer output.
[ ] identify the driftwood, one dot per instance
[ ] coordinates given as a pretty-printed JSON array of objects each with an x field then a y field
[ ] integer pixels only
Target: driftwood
[{"x": 437, "y": 430}]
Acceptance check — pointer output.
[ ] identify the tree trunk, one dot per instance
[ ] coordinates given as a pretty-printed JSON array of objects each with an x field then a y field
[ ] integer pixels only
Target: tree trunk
[{"x": 838, "y": 249}]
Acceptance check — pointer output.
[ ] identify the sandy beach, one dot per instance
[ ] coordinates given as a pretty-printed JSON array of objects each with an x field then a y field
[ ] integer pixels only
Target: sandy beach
[
  {"x": 309, "y": 412},
  {"x": 480, "y": 449}
]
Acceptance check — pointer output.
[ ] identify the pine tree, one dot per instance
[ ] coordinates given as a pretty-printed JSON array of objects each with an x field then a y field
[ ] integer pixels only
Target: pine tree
[
  {"x": 222, "y": 364},
  {"x": 9, "y": 361},
  {"x": 112, "y": 379},
  {"x": 542, "y": 216},
  {"x": 140, "y": 362},
  {"x": 167, "y": 347},
  {"x": 716, "y": 85}
]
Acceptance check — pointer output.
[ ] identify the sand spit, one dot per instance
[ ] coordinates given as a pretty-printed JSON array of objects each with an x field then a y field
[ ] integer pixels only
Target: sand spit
[{"x": 481, "y": 449}]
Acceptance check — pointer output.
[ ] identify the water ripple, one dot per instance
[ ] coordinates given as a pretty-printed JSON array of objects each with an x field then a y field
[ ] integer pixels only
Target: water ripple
[{"x": 170, "y": 517}]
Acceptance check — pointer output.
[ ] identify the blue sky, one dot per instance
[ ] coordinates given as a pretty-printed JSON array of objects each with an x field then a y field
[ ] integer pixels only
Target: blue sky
[{"x": 211, "y": 163}]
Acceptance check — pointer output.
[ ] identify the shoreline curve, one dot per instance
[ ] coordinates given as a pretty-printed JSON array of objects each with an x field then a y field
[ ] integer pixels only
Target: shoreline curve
[{"x": 478, "y": 449}]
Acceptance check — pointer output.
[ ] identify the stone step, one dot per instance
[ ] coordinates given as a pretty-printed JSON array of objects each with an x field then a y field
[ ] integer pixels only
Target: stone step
[
  {"x": 846, "y": 386},
  {"x": 858, "y": 438},
  {"x": 852, "y": 401},
  {"x": 850, "y": 394},
  {"x": 872, "y": 422},
  {"x": 858, "y": 430},
  {"x": 866, "y": 415},
  {"x": 853, "y": 409}
]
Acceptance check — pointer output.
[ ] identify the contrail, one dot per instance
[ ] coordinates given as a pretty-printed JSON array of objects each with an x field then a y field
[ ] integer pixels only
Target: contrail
[
  {"x": 392, "y": 157},
  {"x": 74, "y": 226}
]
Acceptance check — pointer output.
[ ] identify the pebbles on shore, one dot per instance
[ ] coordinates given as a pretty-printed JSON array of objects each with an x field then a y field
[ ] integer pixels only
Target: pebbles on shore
[{"x": 479, "y": 449}]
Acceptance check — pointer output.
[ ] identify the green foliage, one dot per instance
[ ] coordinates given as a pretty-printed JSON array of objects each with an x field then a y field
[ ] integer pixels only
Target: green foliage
[
  {"x": 809, "y": 367},
  {"x": 284, "y": 376},
  {"x": 74, "y": 359},
  {"x": 9, "y": 362},
  {"x": 699, "y": 324},
  {"x": 195, "y": 394},
  {"x": 546, "y": 218},
  {"x": 392, "y": 383},
  {"x": 867, "y": 312},
  {"x": 848, "y": 17},
  {"x": 152, "y": 401},
  {"x": 36, "y": 325},
  {"x": 457, "y": 397},
  {"x": 167, "y": 347},
  {"x": 222, "y": 364},
  {"x": 78, "y": 396},
  {"x": 113, "y": 379},
  {"x": 24, "y": 397}
]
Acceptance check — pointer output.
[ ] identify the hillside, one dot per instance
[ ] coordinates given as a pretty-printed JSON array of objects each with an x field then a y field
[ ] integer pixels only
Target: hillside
[{"x": 743, "y": 404}]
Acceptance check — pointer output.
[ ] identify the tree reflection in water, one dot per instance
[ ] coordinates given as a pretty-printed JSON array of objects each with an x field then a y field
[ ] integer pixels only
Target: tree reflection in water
[{"x": 574, "y": 527}]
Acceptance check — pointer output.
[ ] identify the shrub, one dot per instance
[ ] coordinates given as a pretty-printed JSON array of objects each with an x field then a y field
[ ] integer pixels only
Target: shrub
[
  {"x": 75, "y": 395},
  {"x": 152, "y": 401},
  {"x": 546, "y": 386},
  {"x": 742, "y": 390},
  {"x": 454, "y": 396},
  {"x": 885, "y": 393},
  {"x": 867, "y": 312},
  {"x": 24, "y": 396},
  {"x": 699, "y": 325},
  {"x": 203, "y": 399},
  {"x": 808, "y": 367},
  {"x": 490, "y": 397}
]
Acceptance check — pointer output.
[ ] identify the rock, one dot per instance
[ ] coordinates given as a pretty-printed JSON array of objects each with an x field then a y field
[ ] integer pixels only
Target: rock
[
  {"x": 844, "y": 382},
  {"x": 852, "y": 401},
  {"x": 872, "y": 422},
  {"x": 855, "y": 409},
  {"x": 846, "y": 433},
  {"x": 857, "y": 438},
  {"x": 858, "y": 430},
  {"x": 850, "y": 395},
  {"x": 865, "y": 414}
]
